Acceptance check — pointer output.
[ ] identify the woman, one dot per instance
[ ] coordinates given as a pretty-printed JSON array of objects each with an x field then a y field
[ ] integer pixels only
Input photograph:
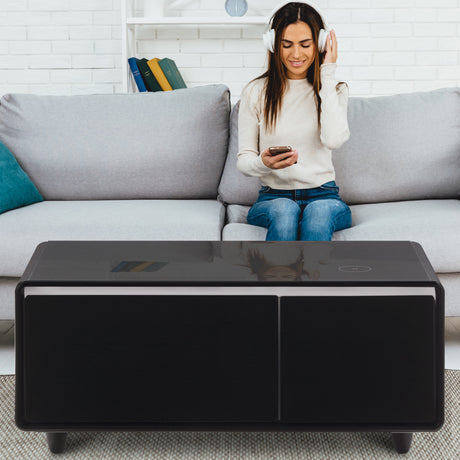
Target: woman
[{"x": 297, "y": 102}]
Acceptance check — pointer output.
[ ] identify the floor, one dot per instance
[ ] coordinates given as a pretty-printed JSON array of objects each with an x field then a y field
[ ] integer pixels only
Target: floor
[{"x": 7, "y": 345}]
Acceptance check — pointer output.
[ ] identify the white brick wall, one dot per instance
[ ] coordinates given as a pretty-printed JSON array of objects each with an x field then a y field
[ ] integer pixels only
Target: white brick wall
[{"x": 74, "y": 46}]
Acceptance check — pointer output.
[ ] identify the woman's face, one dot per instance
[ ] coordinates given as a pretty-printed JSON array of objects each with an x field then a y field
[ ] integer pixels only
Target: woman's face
[
  {"x": 298, "y": 50},
  {"x": 280, "y": 273}
]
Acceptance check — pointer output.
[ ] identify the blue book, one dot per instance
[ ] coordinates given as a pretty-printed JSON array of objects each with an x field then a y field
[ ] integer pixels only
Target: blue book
[{"x": 137, "y": 75}]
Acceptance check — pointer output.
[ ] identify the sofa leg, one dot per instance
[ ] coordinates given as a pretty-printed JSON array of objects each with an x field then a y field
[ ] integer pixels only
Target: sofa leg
[
  {"x": 401, "y": 442},
  {"x": 56, "y": 442}
]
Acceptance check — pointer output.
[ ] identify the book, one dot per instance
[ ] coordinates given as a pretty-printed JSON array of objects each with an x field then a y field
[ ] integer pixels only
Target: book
[
  {"x": 137, "y": 75},
  {"x": 138, "y": 266},
  {"x": 159, "y": 74},
  {"x": 150, "y": 81},
  {"x": 169, "y": 68}
]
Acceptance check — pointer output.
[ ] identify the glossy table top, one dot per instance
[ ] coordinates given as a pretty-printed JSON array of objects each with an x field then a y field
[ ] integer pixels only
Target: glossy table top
[{"x": 245, "y": 262}]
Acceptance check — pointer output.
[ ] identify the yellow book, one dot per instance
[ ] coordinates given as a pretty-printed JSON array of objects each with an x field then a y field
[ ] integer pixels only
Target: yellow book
[
  {"x": 141, "y": 267},
  {"x": 159, "y": 74}
]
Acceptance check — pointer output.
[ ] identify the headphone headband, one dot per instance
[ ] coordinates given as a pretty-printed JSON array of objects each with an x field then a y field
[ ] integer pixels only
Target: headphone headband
[
  {"x": 269, "y": 34},
  {"x": 313, "y": 5}
]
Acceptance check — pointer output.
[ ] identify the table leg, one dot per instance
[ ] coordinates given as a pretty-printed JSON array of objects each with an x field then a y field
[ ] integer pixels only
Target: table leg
[
  {"x": 401, "y": 442},
  {"x": 56, "y": 442}
]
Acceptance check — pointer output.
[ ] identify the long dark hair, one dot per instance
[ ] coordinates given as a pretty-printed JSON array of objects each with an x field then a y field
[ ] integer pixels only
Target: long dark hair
[{"x": 276, "y": 72}]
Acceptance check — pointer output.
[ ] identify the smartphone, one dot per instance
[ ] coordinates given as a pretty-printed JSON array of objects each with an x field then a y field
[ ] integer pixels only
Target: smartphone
[{"x": 279, "y": 149}]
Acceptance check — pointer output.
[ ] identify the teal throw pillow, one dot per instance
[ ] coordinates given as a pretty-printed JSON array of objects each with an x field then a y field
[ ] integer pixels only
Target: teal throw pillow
[{"x": 16, "y": 188}]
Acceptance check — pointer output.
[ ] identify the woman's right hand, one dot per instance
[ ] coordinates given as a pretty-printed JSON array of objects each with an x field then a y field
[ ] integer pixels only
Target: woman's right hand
[{"x": 281, "y": 161}]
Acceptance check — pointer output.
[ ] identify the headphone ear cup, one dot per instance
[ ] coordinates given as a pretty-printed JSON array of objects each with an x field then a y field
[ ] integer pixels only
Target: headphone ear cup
[
  {"x": 269, "y": 40},
  {"x": 322, "y": 39}
]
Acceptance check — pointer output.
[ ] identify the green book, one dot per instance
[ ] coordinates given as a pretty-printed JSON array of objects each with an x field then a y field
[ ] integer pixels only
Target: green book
[
  {"x": 169, "y": 68},
  {"x": 147, "y": 75}
]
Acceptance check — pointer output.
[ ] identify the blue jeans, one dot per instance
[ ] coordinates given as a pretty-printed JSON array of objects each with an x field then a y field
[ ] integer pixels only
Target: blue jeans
[{"x": 306, "y": 214}]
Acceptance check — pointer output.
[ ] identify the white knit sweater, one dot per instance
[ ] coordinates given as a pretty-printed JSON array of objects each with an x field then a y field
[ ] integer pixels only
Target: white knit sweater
[{"x": 296, "y": 126}]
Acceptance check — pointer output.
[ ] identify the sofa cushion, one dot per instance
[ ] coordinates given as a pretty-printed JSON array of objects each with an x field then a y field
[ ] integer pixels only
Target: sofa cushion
[
  {"x": 235, "y": 187},
  {"x": 16, "y": 188},
  {"x": 237, "y": 213},
  {"x": 451, "y": 284},
  {"x": 170, "y": 144},
  {"x": 434, "y": 224},
  {"x": 243, "y": 232},
  {"x": 22, "y": 229},
  {"x": 7, "y": 289},
  {"x": 402, "y": 147}
]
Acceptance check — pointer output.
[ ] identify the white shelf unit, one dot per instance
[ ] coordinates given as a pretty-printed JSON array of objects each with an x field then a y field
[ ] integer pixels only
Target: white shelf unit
[{"x": 129, "y": 23}]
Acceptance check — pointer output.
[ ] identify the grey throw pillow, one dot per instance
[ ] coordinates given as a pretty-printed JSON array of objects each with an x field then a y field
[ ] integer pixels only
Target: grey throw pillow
[{"x": 235, "y": 187}]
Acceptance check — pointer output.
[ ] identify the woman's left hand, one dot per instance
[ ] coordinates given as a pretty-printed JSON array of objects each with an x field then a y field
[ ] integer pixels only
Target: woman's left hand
[{"x": 331, "y": 48}]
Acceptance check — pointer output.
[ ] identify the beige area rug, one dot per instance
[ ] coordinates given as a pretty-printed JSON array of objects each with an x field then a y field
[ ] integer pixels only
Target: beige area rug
[{"x": 441, "y": 445}]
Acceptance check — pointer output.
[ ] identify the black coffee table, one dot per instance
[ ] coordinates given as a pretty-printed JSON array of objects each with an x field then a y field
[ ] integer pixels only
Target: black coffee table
[{"x": 276, "y": 336}]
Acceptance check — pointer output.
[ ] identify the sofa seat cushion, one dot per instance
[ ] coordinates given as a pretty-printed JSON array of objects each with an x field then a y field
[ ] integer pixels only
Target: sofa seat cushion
[
  {"x": 434, "y": 224},
  {"x": 21, "y": 230},
  {"x": 7, "y": 289}
]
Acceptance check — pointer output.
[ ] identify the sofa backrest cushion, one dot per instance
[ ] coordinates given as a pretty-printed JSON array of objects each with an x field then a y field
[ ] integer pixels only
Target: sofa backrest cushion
[
  {"x": 402, "y": 147},
  {"x": 235, "y": 187},
  {"x": 170, "y": 144}
]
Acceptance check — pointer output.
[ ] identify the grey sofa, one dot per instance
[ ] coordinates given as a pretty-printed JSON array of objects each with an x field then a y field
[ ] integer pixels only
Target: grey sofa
[{"x": 157, "y": 166}]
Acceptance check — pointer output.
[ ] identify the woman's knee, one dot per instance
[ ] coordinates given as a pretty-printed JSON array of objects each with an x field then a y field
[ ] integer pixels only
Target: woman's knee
[
  {"x": 280, "y": 216},
  {"x": 283, "y": 221},
  {"x": 278, "y": 208},
  {"x": 325, "y": 209},
  {"x": 284, "y": 209},
  {"x": 321, "y": 214}
]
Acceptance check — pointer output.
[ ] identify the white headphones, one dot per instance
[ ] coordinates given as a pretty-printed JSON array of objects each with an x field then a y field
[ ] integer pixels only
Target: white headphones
[{"x": 269, "y": 34}]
